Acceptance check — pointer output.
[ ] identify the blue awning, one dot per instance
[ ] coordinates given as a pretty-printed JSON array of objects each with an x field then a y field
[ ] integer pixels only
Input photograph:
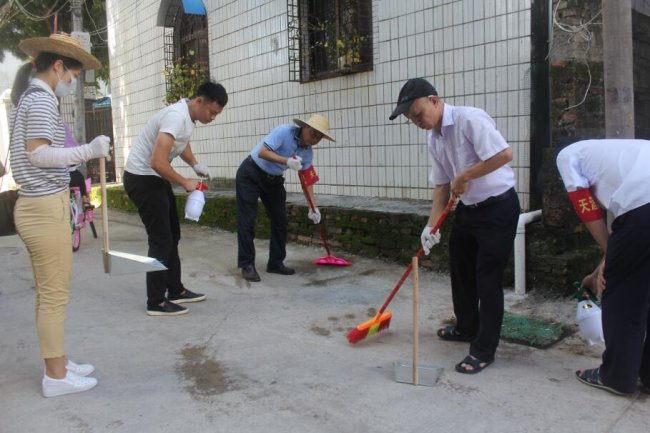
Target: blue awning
[
  {"x": 169, "y": 8},
  {"x": 193, "y": 7}
]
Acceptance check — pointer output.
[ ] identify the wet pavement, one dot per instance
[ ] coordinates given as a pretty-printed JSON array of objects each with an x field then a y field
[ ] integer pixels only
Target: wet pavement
[{"x": 273, "y": 357}]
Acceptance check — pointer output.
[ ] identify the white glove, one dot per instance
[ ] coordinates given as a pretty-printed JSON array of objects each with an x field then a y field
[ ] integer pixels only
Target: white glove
[
  {"x": 314, "y": 215},
  {"x": 100, "y": 146},
  {"x": 45, "y": 156},
  {"x": 201, "y": 170},
  {"x": 429, "y": 239},
  {"x": 294, "y": 163}
]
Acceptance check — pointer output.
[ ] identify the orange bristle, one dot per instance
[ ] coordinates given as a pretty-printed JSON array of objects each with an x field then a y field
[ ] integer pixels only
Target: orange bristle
[{"x": 370, "y": 327}]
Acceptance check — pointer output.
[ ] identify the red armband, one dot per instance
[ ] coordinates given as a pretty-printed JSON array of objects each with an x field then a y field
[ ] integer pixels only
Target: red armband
[
  {"x": 308, "y": 176},
  {"x": 585, "y": 205}
]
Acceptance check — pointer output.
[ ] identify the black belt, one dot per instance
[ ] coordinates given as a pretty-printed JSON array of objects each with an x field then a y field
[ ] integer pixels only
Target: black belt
[
  {"x": 491, "y": 200},
  {"x": 260, "y": 169}
]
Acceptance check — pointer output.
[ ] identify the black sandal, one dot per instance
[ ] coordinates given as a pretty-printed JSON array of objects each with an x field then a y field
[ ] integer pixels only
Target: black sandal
[
  {"x": 470, "y": 361},
  {"x": 450, "y": 333},
  {"x": 591, "y": 377}
]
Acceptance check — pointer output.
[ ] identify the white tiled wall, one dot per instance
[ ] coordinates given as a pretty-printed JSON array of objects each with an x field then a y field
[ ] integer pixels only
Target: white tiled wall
[{"x": 475, "y": 52}]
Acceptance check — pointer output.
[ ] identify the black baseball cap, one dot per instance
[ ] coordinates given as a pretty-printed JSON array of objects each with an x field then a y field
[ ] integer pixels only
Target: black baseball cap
[{"x": 413, "y": 89}]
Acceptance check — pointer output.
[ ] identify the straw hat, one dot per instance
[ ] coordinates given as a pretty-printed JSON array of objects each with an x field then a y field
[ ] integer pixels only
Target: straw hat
[
  {"x": 319, "y": 123},
  {"x": 63, "y": 45}
]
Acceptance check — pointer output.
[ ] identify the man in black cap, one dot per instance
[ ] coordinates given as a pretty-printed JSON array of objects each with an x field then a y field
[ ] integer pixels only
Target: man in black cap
[{"x": 470, "y": 161}]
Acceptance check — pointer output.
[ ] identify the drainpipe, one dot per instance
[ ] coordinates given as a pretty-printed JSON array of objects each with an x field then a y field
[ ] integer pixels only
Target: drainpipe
[{"x": 520, "y": 250}]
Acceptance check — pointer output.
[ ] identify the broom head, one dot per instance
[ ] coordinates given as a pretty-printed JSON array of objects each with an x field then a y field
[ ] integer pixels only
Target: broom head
[{"x": 371, "y": 327}]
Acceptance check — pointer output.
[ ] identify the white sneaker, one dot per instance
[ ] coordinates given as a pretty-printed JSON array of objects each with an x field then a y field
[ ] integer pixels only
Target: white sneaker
[
  {"x": 79, "y": 369},
  {"x": 70, "y": 384}
]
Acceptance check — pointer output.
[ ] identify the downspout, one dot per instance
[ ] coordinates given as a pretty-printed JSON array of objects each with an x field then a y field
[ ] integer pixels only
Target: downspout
[{"x": 520, "y": 249}]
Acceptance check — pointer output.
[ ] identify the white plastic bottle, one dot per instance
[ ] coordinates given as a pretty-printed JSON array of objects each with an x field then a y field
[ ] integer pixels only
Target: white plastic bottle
[
  {"x": 195, "y": 202},
  {"x": 589, "y": 319}
]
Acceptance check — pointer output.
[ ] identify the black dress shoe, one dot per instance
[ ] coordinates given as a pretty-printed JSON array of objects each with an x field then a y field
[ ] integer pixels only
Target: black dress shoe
[
  {"x": 280, "y": 269},
  {"x": 250, "y": 274}
]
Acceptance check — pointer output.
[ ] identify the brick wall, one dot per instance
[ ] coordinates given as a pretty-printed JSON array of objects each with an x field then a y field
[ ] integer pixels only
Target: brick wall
[{"x": 559, "y": 249}]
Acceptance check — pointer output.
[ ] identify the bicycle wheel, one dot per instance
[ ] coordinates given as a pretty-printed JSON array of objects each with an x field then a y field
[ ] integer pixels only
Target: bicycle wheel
[
  {"x": 92, "y": 227},
  {"x": 76, "y": 239}
]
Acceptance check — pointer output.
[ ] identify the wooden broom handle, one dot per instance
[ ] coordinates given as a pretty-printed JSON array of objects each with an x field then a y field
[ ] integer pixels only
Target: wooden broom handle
[
  {"x": 416, "y": 302},
  {"x": 104, "y": 206}
]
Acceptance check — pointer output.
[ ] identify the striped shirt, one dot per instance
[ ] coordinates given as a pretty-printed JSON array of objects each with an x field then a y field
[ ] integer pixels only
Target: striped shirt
[{"x": 37, "y": 117}]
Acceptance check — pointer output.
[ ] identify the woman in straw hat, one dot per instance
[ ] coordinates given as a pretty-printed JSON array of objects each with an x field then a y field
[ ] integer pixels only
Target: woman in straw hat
[
  {"x": 40, "y": 165},
  {"x": 260, "y": 176}
]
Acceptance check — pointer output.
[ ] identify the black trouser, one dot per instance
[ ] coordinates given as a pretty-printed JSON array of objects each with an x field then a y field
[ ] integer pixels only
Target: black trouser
[
  {"x": 626, "y": 302},
  {"x": 252, "y": 183},
  {"x": 479, "y": 248},
  {"x": 156, "y": 205}
]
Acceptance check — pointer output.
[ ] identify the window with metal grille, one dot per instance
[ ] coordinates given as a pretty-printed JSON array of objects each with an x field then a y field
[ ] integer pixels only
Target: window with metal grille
[
  {"x": 187, "y": 59},
  {"x": 329, "y": 38}
]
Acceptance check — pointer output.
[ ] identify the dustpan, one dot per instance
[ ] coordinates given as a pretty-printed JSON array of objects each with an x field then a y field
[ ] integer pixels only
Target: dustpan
[
  {"x": 309, "y": 177},
  {"x": 329, "y": 259},
  {"x": 117, "y": 262}
]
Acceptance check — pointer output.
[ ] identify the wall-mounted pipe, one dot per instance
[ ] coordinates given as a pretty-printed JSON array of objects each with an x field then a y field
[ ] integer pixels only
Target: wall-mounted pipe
[{"x": 520, "y": 249}]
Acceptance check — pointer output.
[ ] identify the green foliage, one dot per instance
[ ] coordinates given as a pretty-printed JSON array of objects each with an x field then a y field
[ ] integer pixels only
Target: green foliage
[
  {"x": 342, "y": 47},
  {"x": 183, "y": 77},
  {"x": 16, "y": 25}
]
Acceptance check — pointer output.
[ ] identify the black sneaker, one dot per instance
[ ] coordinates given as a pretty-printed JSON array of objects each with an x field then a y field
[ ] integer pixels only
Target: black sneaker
[
  {"x": 250, "y": 273},
  {"x": 167, "y": 309},
  {"x": 186, "y": 296},
  {"x": 280, "y": 269}
]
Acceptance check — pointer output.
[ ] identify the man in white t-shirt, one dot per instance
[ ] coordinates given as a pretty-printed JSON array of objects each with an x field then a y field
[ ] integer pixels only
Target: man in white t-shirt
[
  {"x": 469, "y": 160},
  {"x": 148, "y": 175},
  {"x": 613, "y": 174}
]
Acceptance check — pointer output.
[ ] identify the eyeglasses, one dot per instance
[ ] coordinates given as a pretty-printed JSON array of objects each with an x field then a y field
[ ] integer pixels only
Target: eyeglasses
[{"x": 74, "y": 73}]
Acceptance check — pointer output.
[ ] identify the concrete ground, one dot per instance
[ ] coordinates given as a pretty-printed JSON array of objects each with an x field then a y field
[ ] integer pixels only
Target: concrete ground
[{"x": 273, "y": 357}]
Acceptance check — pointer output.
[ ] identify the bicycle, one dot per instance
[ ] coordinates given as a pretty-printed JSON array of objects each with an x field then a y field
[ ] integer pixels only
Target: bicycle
[{"x": 80, "y": 214}]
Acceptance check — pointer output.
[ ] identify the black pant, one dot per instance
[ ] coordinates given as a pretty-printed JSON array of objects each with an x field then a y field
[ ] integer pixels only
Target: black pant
[
  {"x": 626, "y": 302},
  {"x": 479, "y": 248},
  {"x": 252, "y": 183},
  {"x": 156, "y": 205}
]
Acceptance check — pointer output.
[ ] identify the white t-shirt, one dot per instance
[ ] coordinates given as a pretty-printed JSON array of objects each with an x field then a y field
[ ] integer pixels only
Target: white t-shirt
[
  {"x": 616, "y": 170},
  {"x": 468, "y": 135},
  {"x": 174, "y": 120}
]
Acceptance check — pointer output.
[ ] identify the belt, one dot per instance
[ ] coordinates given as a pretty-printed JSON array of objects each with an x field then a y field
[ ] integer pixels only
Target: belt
[
  {"x": 491, "y": 200},
  {"x": 261, "y": 170}
]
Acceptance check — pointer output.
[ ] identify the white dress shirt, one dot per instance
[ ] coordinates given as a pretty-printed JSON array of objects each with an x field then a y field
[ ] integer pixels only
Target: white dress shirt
[
  {"x": 468, "y": 135},
  {"x": 616, "y": 170}
]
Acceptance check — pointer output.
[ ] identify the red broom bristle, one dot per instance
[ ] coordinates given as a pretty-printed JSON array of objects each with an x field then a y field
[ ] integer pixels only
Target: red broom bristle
[
  {"x": 384, "y": 325},
  {"x": 357, "y": 335}
]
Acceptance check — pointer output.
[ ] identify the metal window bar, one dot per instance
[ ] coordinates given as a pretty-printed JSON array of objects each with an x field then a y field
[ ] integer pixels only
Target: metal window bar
[
  {"x": 187, "y": 33},
  {"x": 329, "y": 38},
  {"x": 168, "y": 48},
  {"x": 294, "y": 35}
]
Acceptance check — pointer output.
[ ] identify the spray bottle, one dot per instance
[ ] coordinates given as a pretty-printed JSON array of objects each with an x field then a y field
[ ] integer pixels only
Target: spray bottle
[
  {"x": 589, "y": 315},
  {"x": 195, "y": 202}
]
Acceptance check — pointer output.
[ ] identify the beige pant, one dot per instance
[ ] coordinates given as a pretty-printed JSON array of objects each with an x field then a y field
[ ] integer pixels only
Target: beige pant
[{"x": 43, "y": 224}]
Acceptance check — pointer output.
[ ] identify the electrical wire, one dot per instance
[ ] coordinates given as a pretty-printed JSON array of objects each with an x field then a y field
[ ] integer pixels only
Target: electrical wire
[
  {"x": 581, "y": 31},
  {"x": 32, "y": 16},
  {"x": 97, "y": 31}
]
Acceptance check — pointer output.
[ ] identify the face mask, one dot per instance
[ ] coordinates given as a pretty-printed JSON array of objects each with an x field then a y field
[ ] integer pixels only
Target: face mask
[{"x": 64, "y": 89}]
